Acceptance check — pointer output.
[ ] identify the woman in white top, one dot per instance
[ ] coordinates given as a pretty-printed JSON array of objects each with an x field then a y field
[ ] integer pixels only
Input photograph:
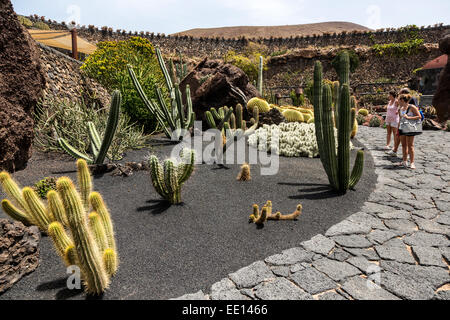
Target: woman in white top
[
  {"x": 410, "y": 112},
  {"x": 392, "y": 120}
]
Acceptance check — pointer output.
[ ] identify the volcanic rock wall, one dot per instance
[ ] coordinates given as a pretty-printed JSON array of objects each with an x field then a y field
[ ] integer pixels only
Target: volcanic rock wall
[
  {"x": 21, "y": 83},
  {"x": 215, "y": 48}
]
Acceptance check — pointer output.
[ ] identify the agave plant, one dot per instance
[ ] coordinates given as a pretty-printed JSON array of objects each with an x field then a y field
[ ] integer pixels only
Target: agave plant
[{"x": 99, "y": 147}]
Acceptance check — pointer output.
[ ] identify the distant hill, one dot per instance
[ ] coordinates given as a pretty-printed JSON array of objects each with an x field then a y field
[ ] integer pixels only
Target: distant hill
[{"x": 273, "y": 31}]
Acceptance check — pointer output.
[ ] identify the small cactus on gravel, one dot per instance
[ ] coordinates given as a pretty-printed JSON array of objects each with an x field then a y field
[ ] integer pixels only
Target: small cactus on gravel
[
  {"x": 244, "y": 174},
  {"x": 81, "y": 237},
  {"x": 259, "y": 217},
  {"x": 169, "y": 177}
]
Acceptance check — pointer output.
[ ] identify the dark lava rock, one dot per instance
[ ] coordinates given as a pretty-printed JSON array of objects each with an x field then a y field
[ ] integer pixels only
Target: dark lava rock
[
  {"x": 217, "y": 84},
  {"x": 19, "y": 252},
  {"x": 429, "y": 124},
  {"x": 441, "y": 100},
  {"x": 274, "y": 116},
  {"x": 21, "y": 83}
]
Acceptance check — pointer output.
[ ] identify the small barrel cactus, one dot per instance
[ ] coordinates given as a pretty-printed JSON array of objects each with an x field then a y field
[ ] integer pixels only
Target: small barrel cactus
[
  {"x": 261, "y": 104},
  {"x": 363, "y": 112},
  {"x": 293, "y": 116}
]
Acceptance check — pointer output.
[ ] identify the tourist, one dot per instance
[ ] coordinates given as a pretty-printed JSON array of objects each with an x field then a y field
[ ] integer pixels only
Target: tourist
[
  {"x": 410, "y": 112},
  {"x": 392, "y": 120},
  {"x": 404, "y": 91}
]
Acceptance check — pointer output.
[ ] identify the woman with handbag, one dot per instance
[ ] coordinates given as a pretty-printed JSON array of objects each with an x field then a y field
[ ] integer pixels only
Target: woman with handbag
[{"x": 410, "y": 126}]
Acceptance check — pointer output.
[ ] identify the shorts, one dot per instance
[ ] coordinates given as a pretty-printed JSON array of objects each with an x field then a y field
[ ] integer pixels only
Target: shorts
[{"x": 392, "y": 124}]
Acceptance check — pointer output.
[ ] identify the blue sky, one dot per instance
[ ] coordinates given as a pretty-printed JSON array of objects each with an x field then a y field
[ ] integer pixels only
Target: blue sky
[{"x": 170, "y": 16}]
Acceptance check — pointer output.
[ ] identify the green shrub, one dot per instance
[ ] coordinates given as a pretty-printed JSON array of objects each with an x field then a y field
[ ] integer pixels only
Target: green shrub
[
  {"x": 108, "y": 65},
  {"x": 447, "y": 125},
  {"x": 400, "y": 49},
  {"x": 248, "y": 60},
  {"x": 45, "y": 185},
  {"x": 354, "y": 60},
  {"x": 41, "y": 25},
  {"x": 66, "y": 119},
  {"x": 25, "y": 21}
]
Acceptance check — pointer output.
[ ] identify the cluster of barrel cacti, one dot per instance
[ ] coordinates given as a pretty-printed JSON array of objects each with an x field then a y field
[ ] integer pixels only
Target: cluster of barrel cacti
[
  {"x": 169, "y": 177},
  {"x": 78, "y": 223},
  {"x": 172, "y": 119},
  {"x": 99, "y": 147},
  {"x": 336, "y": 165},
  {"x": 297, "y": 114},
  {"x": 259, "y": 217}
]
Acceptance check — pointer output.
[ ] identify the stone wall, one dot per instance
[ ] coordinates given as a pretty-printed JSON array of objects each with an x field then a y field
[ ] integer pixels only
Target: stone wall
[
  {"x": 66, "y": 81},
  {"x": 216, "y": 47}
]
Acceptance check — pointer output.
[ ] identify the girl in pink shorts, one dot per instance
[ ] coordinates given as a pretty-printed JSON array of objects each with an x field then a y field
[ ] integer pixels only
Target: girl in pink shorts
[{"x": 392, "y": 119}]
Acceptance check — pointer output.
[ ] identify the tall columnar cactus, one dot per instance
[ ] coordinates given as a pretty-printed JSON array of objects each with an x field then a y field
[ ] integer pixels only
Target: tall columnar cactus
[
  {"x": 178, "y": 71},
  {"x": 177, "y": 117},
  {"x": 81, "y": 237},
  {"x": 336, "y": 165},
  {"x": 260, "y": 75},
  {"x": 168, "y": 178},
  {"x": 99, "y": 147}
]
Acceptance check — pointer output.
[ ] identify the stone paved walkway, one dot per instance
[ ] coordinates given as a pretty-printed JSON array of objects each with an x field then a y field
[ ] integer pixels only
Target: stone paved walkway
[{"x": 397, "y": 247}]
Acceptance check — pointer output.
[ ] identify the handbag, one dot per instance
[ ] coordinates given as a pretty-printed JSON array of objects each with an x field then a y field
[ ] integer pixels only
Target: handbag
[{"x": 410, "y": 127}]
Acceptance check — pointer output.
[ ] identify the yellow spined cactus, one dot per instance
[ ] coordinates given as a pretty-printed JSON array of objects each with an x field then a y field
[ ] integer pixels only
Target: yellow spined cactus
[
  {"x": 244, "y": 174},
  {"x": 293, "y": 116},
  {"x": 82, "y": 239},
  {"x": 259, "y": 217},
  {"x": 355, "y": 129},
  {"x": 259, "y": 103},
  {"x": 363, "y": 112}
]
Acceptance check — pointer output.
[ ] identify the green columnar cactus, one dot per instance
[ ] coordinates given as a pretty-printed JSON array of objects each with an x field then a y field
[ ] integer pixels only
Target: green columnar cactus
[
  {"x": 260, "y": 75},
  {"x": 167, "y": 179},
  {"x": 99, "y": 147},
  {"x": 170, "y": 120},
  {"x": 80, "y": 238},
  {"x": 337, "y": 166}
]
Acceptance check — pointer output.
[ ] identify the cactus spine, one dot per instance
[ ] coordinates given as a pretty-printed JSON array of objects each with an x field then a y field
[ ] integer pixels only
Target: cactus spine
[
  {"x": 80, "y": 239},
  {"x": 170, "y": 120},
  {"x": 99, "y": 147},
  {"x": 167, "y": 179},
  {"x": 260, "y": 75},
  {"x": 337, "y": 166}
]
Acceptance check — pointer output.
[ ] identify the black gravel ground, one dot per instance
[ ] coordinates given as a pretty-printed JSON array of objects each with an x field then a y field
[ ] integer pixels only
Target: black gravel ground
[{"x": 167, "y": 251}]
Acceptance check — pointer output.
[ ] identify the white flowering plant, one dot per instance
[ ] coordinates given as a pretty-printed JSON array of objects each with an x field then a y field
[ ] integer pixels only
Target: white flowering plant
[{"x": 291, "y": 139}]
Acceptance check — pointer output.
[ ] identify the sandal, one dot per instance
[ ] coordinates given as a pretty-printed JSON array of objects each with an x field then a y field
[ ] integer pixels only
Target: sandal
[{"x": 413, "y": 166}]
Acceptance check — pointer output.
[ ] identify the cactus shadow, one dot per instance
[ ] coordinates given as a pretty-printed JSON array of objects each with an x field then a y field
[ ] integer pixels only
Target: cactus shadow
[
  {"x": 313, "y": 191},
  {"x": 156, "y": 207},
  {"x": 62, "y": 294}
]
